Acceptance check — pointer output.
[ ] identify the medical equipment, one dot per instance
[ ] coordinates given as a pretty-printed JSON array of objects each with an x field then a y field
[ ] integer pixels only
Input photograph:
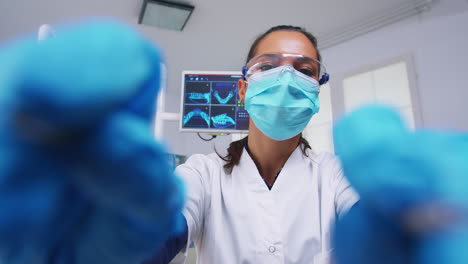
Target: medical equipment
[
  {"x": 281, "y": 101},
  {"x": 413, "y": 188},
  {"x": 45, "y": 32},
  {"x": 210, "y": 103},
  {"x": 82, "y": 179}
]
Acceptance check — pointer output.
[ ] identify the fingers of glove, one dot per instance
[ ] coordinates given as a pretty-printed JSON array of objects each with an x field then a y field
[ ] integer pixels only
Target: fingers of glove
[
  {"x": 384, "y": 240},
  {"x": 419, "y": 166},
  {"x": 371, "y": 143},
  {"x": 31, "y": 189},
  {"x": 359, "y": 131},
  {"x": 115, "y": 239},
  {"x": 45, "y": 32},
  {"x": 61, "y": 87},
  {"x": 79, "y": 76},
  {"x": 449, "y": 247},
  {"x": 362, "y": 236},
  {"x": 122, "y": 167},
  {"x": 56, "y": 241},
  {"x": 448, "y": 154},
  {"x": 39, "y": 204},
  {"x": 413, "y": 182}
]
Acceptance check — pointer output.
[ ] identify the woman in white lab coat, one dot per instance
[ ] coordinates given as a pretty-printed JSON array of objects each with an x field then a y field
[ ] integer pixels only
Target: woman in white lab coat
[{"x": 271, "y": 199}]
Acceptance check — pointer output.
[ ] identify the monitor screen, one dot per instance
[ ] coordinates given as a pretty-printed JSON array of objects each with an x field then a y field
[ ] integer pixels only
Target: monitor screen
[{"x": 210, "y": 103}]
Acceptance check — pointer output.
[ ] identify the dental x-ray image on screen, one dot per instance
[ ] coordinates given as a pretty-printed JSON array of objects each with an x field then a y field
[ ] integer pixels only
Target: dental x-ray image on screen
[{"x": 211, "y": 104}]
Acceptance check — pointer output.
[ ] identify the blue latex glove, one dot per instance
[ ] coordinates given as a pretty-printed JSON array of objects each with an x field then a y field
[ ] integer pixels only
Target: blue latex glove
[
  {"x": 81, "y": 178},
  {"x": 413, "y": 188}
]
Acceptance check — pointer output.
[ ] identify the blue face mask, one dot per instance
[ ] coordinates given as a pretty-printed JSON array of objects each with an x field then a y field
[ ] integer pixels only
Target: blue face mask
[{"x": 281, "y": 101}]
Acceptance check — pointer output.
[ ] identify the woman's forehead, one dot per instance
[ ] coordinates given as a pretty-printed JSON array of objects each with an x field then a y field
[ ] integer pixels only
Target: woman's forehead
[{"x": 290, "y": 42}]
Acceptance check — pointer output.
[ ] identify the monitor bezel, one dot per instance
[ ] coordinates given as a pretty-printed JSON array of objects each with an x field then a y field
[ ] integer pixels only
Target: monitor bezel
[{"x": 208, "y": 130}]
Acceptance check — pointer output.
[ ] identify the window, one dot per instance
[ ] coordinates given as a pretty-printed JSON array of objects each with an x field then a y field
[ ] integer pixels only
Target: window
[
  {"x": 388, "y": 84},
  {"x": 392, "y": 83},
  {"x": 319, "y": 130}
]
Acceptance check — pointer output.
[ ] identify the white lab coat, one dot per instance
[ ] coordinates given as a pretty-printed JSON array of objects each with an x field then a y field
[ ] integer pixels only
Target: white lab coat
[{"x": 235, "y": 218}]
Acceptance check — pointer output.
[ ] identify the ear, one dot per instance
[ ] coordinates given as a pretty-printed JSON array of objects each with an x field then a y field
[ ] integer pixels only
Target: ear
[{"x": 242, "y": 85}]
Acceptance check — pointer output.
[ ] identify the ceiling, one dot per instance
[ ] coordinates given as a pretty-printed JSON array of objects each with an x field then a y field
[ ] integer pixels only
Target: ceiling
[
  {"x": 217, "y": 35},
  {"x": 216, "y": 16}
]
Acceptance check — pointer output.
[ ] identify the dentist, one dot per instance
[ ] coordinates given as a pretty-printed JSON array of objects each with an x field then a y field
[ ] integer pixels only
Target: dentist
[{"x": 271, "y": 199}]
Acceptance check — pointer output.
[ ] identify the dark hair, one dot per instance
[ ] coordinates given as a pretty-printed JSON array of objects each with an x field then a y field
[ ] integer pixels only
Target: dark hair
[
  {"x": 312, "y": 38},
  {"x": 236, "y": 147}
]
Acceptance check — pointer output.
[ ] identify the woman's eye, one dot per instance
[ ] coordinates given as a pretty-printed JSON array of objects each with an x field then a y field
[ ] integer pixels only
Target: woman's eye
[
  {"x": 266, "y": 67},
  {"x": 307, "y": 72}
]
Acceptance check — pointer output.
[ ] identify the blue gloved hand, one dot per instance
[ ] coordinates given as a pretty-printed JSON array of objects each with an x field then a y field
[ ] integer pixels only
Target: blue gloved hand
[
  {"x": 413, "y": 188},
  {"x": 81, "y": 178}
]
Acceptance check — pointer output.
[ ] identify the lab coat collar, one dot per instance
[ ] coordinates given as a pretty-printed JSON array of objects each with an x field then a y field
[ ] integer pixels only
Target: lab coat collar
[{"x": 249, "y": 171}]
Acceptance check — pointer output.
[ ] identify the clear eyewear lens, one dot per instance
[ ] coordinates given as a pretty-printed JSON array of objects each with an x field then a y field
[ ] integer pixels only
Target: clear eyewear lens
[
  {"x": 264, "y": 62},
  {"x": 271, "y": 77}
]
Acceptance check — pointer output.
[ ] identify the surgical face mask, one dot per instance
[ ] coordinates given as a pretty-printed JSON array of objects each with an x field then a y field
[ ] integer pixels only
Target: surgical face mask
[{"x": 281, "y": 101}]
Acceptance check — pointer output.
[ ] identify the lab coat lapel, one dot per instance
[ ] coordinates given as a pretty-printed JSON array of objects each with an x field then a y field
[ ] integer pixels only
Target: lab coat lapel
[
  {"x": 292, "y": 169},
  {"x": 248, "y": 172}
]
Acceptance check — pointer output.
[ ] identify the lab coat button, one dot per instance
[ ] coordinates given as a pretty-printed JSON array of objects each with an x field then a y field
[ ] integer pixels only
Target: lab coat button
[{"x": 272, "y": 249}]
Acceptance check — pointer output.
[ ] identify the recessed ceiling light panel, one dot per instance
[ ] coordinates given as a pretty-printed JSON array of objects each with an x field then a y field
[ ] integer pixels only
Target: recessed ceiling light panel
[{"x": 165, "y": 14}]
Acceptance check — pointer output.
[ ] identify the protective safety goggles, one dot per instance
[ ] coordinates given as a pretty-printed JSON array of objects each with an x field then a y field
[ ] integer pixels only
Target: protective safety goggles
[
  {"x": 306, "y": 65},
  {"x": 271, "y": 78}
]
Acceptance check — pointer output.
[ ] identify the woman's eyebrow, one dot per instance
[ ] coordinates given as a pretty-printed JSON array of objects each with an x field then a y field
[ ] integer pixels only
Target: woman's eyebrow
[{"x": 271, "y": 55}]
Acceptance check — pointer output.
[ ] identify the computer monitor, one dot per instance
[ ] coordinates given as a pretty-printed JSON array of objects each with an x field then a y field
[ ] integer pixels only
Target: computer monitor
[{"x": 210, "y": 103}]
